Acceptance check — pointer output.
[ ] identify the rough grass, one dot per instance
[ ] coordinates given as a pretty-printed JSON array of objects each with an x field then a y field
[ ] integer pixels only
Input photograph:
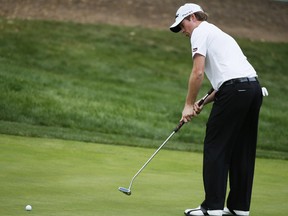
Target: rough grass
[{"x": 119, "y": 85}]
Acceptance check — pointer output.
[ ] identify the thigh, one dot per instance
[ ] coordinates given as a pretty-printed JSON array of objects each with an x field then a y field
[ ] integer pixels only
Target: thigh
[{"x": 231, "y": 107}]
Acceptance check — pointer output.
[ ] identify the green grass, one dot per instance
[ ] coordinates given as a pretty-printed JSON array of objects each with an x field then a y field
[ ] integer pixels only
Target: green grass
[
  {"x": 59, "y": 177},
  {"x": 119, "y": 85}
]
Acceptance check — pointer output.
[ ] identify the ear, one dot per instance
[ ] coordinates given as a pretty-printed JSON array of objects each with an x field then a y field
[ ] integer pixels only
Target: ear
[
  {"x": 192, "y": 17},
  {"x": 189, "y": 18}
]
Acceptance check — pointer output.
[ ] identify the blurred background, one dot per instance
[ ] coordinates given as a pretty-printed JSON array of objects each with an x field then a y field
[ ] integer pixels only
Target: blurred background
[{"x": 265, "y": 20}]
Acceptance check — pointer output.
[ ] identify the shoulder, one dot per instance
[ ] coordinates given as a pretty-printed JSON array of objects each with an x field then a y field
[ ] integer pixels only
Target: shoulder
[
  {"x": 205, "y": 31},
  {"x": 206, "y": 27},
  {"x": 201, "y": 32}
]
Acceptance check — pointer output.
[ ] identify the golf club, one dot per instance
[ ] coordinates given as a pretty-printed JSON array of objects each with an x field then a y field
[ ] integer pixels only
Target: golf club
[{"x": 127, "y": 191}]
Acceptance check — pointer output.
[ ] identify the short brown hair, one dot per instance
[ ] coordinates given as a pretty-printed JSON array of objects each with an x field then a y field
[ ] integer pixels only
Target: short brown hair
[{"x": 201, "y": 16}]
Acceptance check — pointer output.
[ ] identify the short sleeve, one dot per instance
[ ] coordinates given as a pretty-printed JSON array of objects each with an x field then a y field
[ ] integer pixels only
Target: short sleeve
[{"x": 199, "y": 42}]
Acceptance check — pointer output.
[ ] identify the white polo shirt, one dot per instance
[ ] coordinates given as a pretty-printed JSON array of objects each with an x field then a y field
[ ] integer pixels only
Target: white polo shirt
[{"x": 224, "y": 58}]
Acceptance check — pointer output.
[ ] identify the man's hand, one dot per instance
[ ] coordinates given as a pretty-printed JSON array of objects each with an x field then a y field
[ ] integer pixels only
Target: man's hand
[
  {"x": 198, "y": 108},
  {"x": 188, "y": 113}
]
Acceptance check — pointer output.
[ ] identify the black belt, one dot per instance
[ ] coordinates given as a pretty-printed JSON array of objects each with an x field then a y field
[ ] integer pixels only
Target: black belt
[{"x": 240, "y": 80}]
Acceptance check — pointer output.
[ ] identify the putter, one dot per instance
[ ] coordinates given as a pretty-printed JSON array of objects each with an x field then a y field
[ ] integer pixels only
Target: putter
[{"x": 127, "y": 191}]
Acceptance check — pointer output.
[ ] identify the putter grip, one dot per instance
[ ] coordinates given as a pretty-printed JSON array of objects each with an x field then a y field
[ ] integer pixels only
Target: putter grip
[
  {"x": 201, "y": 102},
  {"x": 181, "y": 123}
]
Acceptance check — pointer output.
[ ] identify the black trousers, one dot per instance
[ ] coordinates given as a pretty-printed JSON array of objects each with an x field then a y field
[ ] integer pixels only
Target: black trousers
[{"x": 230, "y": 146}]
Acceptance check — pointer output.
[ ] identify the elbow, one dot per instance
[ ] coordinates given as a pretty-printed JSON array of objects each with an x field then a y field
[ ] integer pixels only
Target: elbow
[{"x": 198, "y": 74}]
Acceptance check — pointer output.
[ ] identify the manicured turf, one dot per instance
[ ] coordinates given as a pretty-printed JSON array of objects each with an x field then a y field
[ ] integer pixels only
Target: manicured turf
[{"x": 71, "y": 178}]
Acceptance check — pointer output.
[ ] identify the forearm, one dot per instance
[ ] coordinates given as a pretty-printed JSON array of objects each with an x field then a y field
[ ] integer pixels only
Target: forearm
[{"x": 194, "y": 85}]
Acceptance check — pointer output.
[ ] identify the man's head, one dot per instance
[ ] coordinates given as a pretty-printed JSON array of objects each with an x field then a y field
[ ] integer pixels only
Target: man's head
[{"x": 185, "y": 12}]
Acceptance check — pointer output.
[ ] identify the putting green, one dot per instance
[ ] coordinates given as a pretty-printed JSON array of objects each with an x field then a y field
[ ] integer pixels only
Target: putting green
[{"x": 59, "y": 177}]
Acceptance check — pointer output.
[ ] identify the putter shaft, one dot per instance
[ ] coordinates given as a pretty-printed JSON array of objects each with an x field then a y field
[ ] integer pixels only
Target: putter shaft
[
  {"x": 127, "y": 191},
  {"x": 140, "y": 170}
]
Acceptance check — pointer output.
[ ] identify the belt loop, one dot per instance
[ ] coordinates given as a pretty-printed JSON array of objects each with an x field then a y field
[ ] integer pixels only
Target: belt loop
[{"x": 248, "y": 80}]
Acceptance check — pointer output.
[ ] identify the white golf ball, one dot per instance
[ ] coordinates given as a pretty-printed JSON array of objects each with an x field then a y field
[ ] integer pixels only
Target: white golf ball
[{"x": 28, "y": 208}]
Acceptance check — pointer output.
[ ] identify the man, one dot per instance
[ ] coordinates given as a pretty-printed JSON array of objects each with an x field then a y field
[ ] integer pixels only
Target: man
[{"x": 231, "y": 133}]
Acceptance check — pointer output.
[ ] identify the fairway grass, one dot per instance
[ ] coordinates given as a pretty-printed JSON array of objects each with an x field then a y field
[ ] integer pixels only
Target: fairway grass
[{"x": 60, "y": 177}]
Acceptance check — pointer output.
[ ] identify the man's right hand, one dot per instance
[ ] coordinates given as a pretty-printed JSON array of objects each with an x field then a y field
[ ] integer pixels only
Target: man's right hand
[{"x": 188, "y": 113}]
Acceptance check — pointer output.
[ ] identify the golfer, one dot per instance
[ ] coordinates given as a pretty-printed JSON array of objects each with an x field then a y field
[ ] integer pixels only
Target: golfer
[{"x": 231, "y": 133}]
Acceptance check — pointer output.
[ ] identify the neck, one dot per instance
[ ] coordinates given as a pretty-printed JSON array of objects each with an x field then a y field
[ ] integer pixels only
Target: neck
[{"x": 198, "y": 23}]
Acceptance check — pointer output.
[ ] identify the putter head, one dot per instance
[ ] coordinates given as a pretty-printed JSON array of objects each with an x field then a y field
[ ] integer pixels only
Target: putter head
[{"x": 125, "y": 190}]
